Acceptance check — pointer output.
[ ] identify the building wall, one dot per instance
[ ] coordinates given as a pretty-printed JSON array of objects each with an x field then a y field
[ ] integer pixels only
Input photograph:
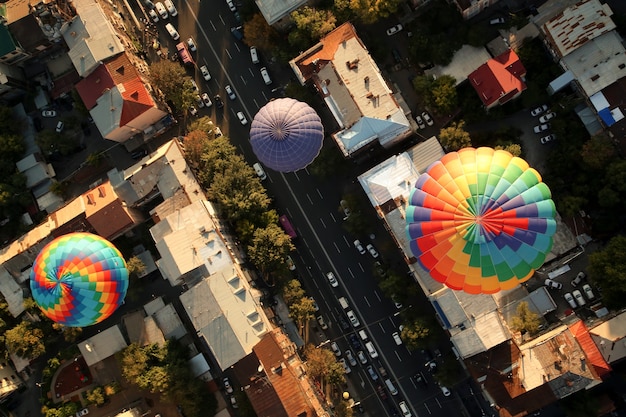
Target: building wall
[{"x": 136, "y": 126}]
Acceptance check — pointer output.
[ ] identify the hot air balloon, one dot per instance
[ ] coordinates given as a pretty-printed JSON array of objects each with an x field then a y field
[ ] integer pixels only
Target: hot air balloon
[
  {"x": 480, "y": 220},
  {"x": 79, "y": 279},
  {"x": 286, "y": 135}
]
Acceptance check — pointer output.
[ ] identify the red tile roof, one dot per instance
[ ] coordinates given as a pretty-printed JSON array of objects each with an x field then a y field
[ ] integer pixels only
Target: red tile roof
[
  {"x": 92, "y": 87},
  {"x": 121, "y": 69},
  {"x": 136, "y": 100},
  {"x": 581, "y": 333},
  {"x": 499, "y": 79}
]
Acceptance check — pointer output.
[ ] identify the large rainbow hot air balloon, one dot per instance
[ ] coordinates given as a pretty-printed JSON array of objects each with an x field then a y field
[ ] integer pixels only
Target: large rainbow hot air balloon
[
  {"x": 79, "y": 279},
  {"x": 480, "y": 220}
]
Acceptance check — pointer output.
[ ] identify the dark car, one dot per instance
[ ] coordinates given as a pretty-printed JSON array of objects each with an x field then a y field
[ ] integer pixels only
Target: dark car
[
  {"x": 396, "y": 55},
  {"x": 218, "y": 101},
  {"x": 139, "y": 154},
  {"x": 236, "y": 32},
  {"x": 344, "y": 324},
  {"x": 354, "y": 341}
]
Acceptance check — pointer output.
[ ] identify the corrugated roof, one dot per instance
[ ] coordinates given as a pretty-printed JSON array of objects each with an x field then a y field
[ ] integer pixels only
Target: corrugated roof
[{"x": 581, "y": 333}]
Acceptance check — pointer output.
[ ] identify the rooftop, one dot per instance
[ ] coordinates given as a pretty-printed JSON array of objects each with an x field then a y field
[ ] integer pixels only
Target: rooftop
[
  {"x": 275, "y": 10},
  {"x": 102, "y": 345}
]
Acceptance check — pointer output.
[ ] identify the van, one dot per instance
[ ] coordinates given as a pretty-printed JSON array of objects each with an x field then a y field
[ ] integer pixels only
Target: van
[
  {"x": 371, "y": 350},
  {"x": 161, "y": 10},
  {"x": 173, "y": 32},
  {"x": 266, "y": 76},
  {"x": 405, "y": 409},
  {"x": 392, "y": 389},
  {"x": 259, "y": 171},
  {"x": 343, "y": 302},
  {"x": 254, "y": 55},
  {"x": 363, "y": 335},
  {"x": 170, "y": 7}
]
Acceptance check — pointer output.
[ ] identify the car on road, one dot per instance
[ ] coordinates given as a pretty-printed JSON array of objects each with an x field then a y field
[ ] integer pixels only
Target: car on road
[
  {"x": 372, "y": 250},
  {"x": 60, "y": 126},
  {"x": 404, "y": 409},
  {"x": 546, "y": 117},
  {"x": 343, "y": 323},
  {"x": 352, "y": 317},
  {"x": 230, "y": 92},
  {"x": 193, "y": 111},
  {"x": 332, "y": 280},
  {"x": 233, "y": 402},
  {"x": 446, "y": 392},
  {"x": 552, "y": 284},
  {"x": 588, "y": 292},
  {"x": 153, "y": 16},
  {"x": 359, "y": 247},
  {"x": 231, "y": 5},
  {"x": 266, "y": 76},
  {"x": 350, "y": 357},
  {"x": 346, "y": 368},
  {"x": 207, "y": 101},
  {"x": 49, "y": 113},
  {"x": 420, "y": 122},
  {"x": 429, "y": 120},
  {"x": 570, "y": 300},
  {"x": 541, "y": 128},
  {"x": 335, "y": 348},
  {"x": 82, "y": 412},
  {"x": 579, "y": 277},
  {"x": 205, "y": 73},
  {"x": 218, "y": 101},
  {"x": 199, "y": 101},
  {"x": 254, "y": 55},
  {"x": 362, "y": 358},
  {"x": 315, "y": 306},
  {"x": 394, "y": 29},
  {"x": 431, "y": 366},
  {"x": 170, "y": 7},
  {"x": 191, "y": 44},
  {"x": 538, "y": 110},
  {"x": 547, "y": 139},
  {"x": 372, "y": 373},
  {"x": 242, "y": 118},
  {"x": 194, "y": 85},
  {"x": 395, "y": 302},
  {"x": 227, "y": 386},
  {"x": 579, "y": 297},
  {"x": 172, "y": 31},
  {"x": 236, "y": 32},
  {"x": 396, "y": 338},
  {"x": 321, "y": 322}
]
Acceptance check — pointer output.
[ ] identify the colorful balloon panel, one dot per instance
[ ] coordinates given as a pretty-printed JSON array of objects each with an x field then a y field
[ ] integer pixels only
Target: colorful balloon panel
[
  {"x": 480, "y": 220},
  {"x": 79, "y": 279}
]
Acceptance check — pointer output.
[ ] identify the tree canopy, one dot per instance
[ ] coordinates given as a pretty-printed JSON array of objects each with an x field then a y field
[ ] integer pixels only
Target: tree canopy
[
  {"x": 607, "y": 269},
  {"x": 173, "y": 82},
  {"x": 25, "y": 340},
  {"x": 314, "y": 22},
  {"x": 525, "y": 320},
  {"x": 455, "y": 137},
  {"x": 257, "y": 32},
  {"x": 368, "y": 11}
]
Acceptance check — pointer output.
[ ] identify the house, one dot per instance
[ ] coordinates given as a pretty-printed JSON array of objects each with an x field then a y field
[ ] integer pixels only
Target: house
[
  {"x": 39, "y": 175},
  {"x": 10, "y": 381},
  {"x": 470, "y": 8},
  {"x": 277, "y": 12},
  {"x": 499, "y": 80},
  {"x": 610, "y": 337},
  {"x": 102, "y": 345},
  {"x": 352, "y": 86}
]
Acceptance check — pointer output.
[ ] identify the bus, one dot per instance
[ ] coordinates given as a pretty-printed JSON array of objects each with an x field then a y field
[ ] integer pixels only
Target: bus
[
  {"x": 287, "y": 227},
  {"x": 183, "y": 54}
]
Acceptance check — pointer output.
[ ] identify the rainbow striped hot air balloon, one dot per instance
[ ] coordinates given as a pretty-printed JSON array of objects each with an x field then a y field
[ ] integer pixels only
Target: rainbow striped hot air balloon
[
  {"x": 480, "y": 220},
  {"x": 79, "y": 279}
]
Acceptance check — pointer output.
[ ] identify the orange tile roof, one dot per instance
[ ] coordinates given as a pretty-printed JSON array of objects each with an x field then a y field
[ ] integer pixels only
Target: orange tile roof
[
  {"x": 105, "y": 211},
  {"x": 499, "y": 79},
  {"x": 121, "y": 69},
  {"x": 92, "y": 87},
  {"x": 137, "y": 100},
  {"x": 581, "y": 333}
]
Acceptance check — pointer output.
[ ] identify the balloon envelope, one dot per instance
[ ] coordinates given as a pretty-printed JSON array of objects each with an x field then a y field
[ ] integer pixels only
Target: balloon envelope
[
  {"x": 480, "y": 220},
  {"x": 286, "y": 135},
  {"x": 79, "y": 279}
]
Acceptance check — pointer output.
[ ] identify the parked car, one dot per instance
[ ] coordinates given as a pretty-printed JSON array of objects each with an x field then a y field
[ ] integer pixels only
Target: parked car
[
  {"x": 233, "y": 402},
  {"x": 345, "y": 208},
  {"x": 60, "y": 126},
  {"x": 199, "y": 101},
  {"x": 170, "y": 7},
  {"x": 332, "y": 280},
  {"x": 395, "y": 302},
  {"x": 350, "y": 357},
  {"x": 446, "y": 392},
  {"x": 82, "y": 412},
  {"x": 362, "y": 358},
  {"x": 230, "y": 92},
  {"x": 236, "y": 32},
  {"x": 579, "y": 297},
  {"x": 421, "y": 379},
  {"x": 538, "y": 110},
  {"x": 321, "y": 322},
  {"x": 372, "y": 373},
  {"x": 290, "y": 264},
  {"x": 153, "y": 16},
  {"x": 207, "y": 101},
  {"x": 205, "y": 73},
  {"x": 359, "y": 247},
  {"x": 546, "y": 117},
  {"x": 372, "y": 250},
  {"x": 193, "y": 111},
  {"x": 547, "y": 139},
  {"x": 315, "y": 306},
  {"x": 218, "y": 101},
  {"x": 191, "y": 44},
  {"x": 394, "y": 29},
  {"x": 231, "y": 5},
  {"x": 343, "y": 323},
  {"x": 570, "y": 300},
  {"x": 352, "y": 317},
  {"x": 579, "y": 277},
  {"x": 242, "y": 118},
  {"x": 420, "y": 122},
  {"x": 588, "y": 292},
  {"x": 541, "y": 128},
  {"x": 335, "y": 348},
  {"x": 346, "y": 368},
  {"x": 429, "y": 120},
  {"x": 550, "y": 283},
  {"x": 227, "y": 386},
  {"x": 194, "y": 85},
  {"x": 497, "y": 21}
]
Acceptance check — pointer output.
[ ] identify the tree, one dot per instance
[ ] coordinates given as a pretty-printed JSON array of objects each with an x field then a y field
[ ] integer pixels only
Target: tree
[
  {"x": 368, "y": 11},
  {"x": 203, "y": 124},
  {"x": 444, "y": 94},
  {"x": 343, "y": 409},
  {"x": 70, "y": 334},
  {"x": 314, "y": 22},
  {"x": 49, "y": 141},
  {"x": 607, "y": 269},
  {"x": 415, "y": 333},
  {"x": 214, "y": 159},
  {"x": 302, "y": 311},
  {"x": 25, "y": 341},
  {"x": 96, "y": 396},
  {"x": 525, "y": 321},
  {"x": 269, "y": 247},
  {"x": 455, "y": 137},
  {"x": 323, "y": 366},
  {"x": 598, "y": 152},
  {"x": 513, "y": 148},
  {"x": 257, "y": 32},
  {"x": 171, "y": 79},
  {"x": 292, "y": 292},
  {"x": 196, "y": 143},
  {"x": 135, "y": 266}
]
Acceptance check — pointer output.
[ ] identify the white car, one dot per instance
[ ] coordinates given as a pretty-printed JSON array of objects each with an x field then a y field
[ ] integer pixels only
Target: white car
[
  {"x": 207, "y": 101},
  {"x": 60, "y": 127},
  {"x": 552, "y": 284},
  {"x": 194, "y": 85},
  {"x": 420, "y": 122},
  {"x": 547, "y": 116},
  {"x": 429, "y": 120},
  {"x": 588, "y": 292},
  {"x": 192, "y": 45},
  {"x": 289, "y": 262},
  {"x": 541, "y": 128},
  {"x": 82, "y": 412},
  {"x": 394, "y": 29},
  {"x": 199, "y": 101},
  {"x": 346, "y": 368},
  {"x": 547, "y": 139},
  {"x": 362, "y": 358},
  {"x": 350, "y": 357},
  {"x": 231, "y": 5},
  {"x": 230, "y": 92},
  {"x": 49, "y": 113},
  {"x": 193, "y": 111},
  {"x": 446, "y": 392},
  {"x": 332, "y": 280},
  {"x": 154, "y": 16},
  {"x": 570, "y": 300},
  {"x": 579, "y": 277},
  {"x": 172, "y": 31},
  {"x": 205, "y": 73},
  {"x": 579, "y": 297},
  {"x": 170, "y": 7},
  {"x": 321, "y": 322},
  {"x": 227, "y": 386},
  {"x": 372, "y": 250},
  {"x": 242, "y": 118},
  {"x": 335, "y": 348},
  {"x": 352, "y": 317},
  {"x": 396, "y": 338},
  {"x": 538, "y": 110},
  {"x": 359, "y": 247}
]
